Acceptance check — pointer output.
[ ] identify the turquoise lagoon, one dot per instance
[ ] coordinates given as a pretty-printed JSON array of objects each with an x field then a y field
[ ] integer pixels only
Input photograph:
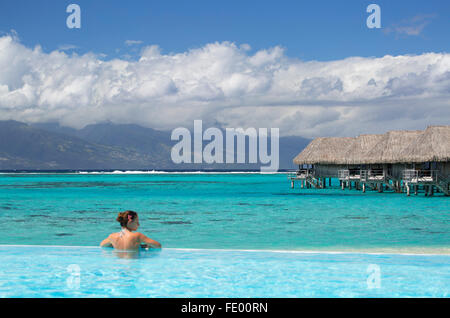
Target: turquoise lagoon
[{"x": 219, "y": 211}]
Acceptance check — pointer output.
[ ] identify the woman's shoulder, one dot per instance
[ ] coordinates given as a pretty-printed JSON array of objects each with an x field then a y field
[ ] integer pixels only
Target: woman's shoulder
[
  {"x": 139, "y": 235},
  {"x": 113, "y": 235}
]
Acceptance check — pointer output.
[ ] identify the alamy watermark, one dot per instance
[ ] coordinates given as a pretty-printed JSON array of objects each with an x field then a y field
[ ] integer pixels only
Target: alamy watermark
[
  {"x": 74, "y": 279},
  {"x": 374, "y": 278},
  {"x": 73, "y": 21},
  {"x": 191, "y": 150},
  {"x": 373, "y": 20}
]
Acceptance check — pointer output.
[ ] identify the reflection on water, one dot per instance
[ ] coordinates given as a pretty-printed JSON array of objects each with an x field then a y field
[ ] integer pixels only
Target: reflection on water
[
  {"x": 131, "y": 254},
  {"x": 127, "y": 254}
]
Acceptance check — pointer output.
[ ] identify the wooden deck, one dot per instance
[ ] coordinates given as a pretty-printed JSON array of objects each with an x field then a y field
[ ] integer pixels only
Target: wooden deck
[{"x": 376, "y": 179}]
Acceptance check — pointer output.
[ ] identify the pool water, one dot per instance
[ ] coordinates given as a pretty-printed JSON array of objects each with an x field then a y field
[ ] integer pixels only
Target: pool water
[{"x": 50, "y": 271}]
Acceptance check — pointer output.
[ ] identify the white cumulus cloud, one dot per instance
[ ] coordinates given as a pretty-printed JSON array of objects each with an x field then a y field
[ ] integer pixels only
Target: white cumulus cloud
[{"x": 224, "y": 84}]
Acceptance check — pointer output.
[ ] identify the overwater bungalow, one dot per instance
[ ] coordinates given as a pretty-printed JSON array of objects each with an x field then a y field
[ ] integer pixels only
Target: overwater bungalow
[{"x": 402, "y": 161}]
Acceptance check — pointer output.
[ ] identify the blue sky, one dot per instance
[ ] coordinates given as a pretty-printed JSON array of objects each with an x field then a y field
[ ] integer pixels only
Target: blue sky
[
  {"x": 308, "y": 30},
  {"x": 309, "y": 68}
]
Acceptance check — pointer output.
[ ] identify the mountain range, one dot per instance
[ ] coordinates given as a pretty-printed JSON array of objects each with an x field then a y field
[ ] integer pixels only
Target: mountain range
[{"x": 49, "y": 146}]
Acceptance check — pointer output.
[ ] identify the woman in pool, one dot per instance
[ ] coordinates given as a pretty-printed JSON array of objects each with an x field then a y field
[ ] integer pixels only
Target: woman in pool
[{"x": 126, "y": 239}]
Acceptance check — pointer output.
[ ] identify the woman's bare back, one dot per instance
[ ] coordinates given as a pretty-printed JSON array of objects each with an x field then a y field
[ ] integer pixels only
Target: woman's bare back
[{"x": 125, "y": 240}]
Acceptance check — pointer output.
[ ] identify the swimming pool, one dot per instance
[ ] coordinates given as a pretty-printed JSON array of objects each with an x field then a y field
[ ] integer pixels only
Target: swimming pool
[{"x": 61, "y": 271}]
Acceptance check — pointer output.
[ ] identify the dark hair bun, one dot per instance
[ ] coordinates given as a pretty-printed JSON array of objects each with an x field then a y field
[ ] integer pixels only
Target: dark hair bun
[{"x": 122, "y": 217}]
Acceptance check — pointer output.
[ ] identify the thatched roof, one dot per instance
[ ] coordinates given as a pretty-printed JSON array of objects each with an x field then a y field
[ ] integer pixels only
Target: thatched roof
[
  {"x": 326, "y": 150},
  {"x": 359, "y": 151},
  {"x": 391, "y": 146},
  {"x": 433, "y": 144}
]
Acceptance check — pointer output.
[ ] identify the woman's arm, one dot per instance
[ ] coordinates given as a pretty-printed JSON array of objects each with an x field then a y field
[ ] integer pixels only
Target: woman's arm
[
  {"x": 148, "y": 241},
  {"x": 106, "y": 242}
]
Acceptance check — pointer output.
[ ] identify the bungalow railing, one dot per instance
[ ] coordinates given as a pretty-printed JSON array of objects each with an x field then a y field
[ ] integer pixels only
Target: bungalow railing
[
  {"x": 427, "y": 178},
  {"x": 410, "y": 174},
  {"x": 349, "y": 174},
  {"x": 355, "y": 174},
  {"x": 441, "y": 178},
  {"x": 292, "y": 174},
  {"x": 364, "y": 175},
  {"x": 421, "y": 176},
  {"x": 443, "y": 183},
  {"x": 344, "y": 174},
  {"x": 301, "y": 174},
  {"x": 375, "y": 175}
]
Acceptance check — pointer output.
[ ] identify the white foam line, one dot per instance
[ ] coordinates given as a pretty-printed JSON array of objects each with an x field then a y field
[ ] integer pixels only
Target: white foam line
[{"x": 253, "y": 251}]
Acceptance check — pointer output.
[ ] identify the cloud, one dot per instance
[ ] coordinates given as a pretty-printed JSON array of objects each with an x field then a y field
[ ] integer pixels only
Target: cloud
[
  {"x": 222, "y": 83},
  {"x": 132, "y": 42},
  {"x": 411, "y": 27}
]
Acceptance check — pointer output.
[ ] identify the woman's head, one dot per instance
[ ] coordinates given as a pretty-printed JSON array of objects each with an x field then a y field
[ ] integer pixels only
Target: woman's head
[{"x": 128, "y": 219}]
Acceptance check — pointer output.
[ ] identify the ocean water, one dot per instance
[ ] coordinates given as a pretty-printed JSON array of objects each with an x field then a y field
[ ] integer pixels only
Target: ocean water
[
  {"x": 218, "y": 211},
  {"x": 94, "y": 272}
]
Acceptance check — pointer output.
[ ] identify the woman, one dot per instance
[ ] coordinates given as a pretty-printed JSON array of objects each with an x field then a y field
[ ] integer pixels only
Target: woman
[{"x": 126, "y": 239}]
